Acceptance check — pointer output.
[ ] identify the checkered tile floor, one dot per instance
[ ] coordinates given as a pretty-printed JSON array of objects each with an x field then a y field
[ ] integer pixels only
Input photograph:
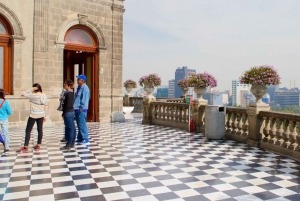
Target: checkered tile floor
[{"x": 130, "y": 162}]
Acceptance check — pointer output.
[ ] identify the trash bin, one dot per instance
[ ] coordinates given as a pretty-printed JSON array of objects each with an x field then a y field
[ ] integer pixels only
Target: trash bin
[{"x": 214, "y": 122}]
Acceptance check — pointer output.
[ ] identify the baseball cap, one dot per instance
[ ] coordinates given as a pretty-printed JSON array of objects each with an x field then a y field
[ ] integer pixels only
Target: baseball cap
[{"x": 82, "y": 77}]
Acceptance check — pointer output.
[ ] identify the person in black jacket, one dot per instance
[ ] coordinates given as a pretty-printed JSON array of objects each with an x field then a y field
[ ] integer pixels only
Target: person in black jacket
[{"x": 68, "y": 114}]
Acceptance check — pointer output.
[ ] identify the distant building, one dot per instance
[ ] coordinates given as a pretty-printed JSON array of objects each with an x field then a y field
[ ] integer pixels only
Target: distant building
[
  {"x": 266, "y": 98},
  {"x": 285, "y": 97},
  {"x": 271, "y": 91},
  {"x": 171, "y": 89},
  {"x": 243, "y": 99},
  {"x": 220, "y": 99},
  {"x": 180, "y": 74},
  {"x": 236, "y": 91},
  {"x": 162, "y": 93}
]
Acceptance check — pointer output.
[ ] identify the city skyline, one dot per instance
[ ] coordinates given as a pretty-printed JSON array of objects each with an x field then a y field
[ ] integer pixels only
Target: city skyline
[{"x": 222, "y": 38}]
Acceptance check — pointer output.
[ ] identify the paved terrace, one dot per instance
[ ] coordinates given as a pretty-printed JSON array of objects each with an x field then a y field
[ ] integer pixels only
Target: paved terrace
[{"x": 130, "y": 162}]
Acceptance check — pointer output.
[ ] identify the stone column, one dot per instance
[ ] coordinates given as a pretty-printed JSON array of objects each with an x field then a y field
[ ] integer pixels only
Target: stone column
[
  {"x": 147, "y": 109},
  {"x": 127, "y": 100},
  {"x": 197, "y": 115},
  {"x": 255, "y": 124},
  {"x": 21, "y": 77}
]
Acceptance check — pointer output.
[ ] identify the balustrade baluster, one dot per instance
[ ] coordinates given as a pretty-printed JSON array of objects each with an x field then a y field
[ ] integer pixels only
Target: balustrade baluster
[
  {"x": 228, "y": 123},
  {"x": 266, "y": 129},
  {"x": 298, "y": 136},
  {"x": 184, "y": 118},
  {"x": 286, "y": 134},
  {"x": 172, "y": 113},
  {"x": 293, "y": 137},
  {"x": 234, "y": 124},
  {"x": 164, "y": 113},
  {"x": 273, "y": 131},
  {"x": 279, "y": 133},
  {"x": 245, "y": 126},
  {"x": 239, "y": 125}
]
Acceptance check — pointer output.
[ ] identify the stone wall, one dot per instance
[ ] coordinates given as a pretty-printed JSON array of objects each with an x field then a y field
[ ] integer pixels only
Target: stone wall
[{"x": 38, "y": 55}]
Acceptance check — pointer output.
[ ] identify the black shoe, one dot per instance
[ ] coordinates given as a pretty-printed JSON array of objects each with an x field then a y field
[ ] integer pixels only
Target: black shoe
[
  {"x": 66, "y": 147},
  {"x": 63, "y": 140},
  {"x": 72, "y": 145},
  {"x": 6, "y": 150}
]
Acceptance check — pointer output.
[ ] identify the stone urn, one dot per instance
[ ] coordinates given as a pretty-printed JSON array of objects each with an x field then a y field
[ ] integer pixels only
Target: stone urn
[
  {"x": 148, "y": 89},
  {"x": 129, "y": 89},
  {"x": 184, "y": 90},
  {"x": 200, "y": 91},
  {"x": 259, "y": 90}
]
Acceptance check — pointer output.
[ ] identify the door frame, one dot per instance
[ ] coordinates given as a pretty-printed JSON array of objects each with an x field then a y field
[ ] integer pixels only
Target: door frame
[{"x": 94, "y": 89}]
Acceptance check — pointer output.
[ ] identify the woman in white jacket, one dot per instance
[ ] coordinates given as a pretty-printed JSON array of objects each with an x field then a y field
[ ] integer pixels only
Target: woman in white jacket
[{"x": 38, "y": 106}]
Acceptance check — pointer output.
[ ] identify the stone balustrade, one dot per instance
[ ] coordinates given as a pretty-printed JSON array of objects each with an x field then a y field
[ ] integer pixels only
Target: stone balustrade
[
  {"x": 170, "y": 114},
  {"x": 236, "y": 124},
  {"x": 281, "y": 133},
  {"x": 256, "y": 125},
  {"x": 137, "y": 103}
]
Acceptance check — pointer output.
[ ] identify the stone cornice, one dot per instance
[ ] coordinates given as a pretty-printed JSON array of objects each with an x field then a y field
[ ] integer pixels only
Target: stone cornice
[{"x": 118, "y": 8}]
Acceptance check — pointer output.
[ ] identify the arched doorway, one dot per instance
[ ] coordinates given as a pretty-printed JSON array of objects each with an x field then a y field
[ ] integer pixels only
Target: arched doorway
[
  {"x": 81, "y": 57},
  {"x": 5, "y": 56}
]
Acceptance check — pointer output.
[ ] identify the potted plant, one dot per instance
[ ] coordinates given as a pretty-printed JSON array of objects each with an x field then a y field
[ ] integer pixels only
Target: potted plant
[
  {"x": 200, "y": 82},
  {"x": 129, "y": 85},
  {"x": 184, "y": 85},
  {"x": 259, "y": 77},
  {"x": 149, "y": 82}
]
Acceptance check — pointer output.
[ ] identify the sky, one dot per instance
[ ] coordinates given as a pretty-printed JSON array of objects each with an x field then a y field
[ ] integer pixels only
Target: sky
[{"x": 222, "y": 37}]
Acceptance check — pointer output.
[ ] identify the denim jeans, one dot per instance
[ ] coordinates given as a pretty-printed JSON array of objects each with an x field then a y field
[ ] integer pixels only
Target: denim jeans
[
  {"x": 82, "y": 127},
  {"x": 4, "y": 129},
  {"x": 70, "y": 131}
]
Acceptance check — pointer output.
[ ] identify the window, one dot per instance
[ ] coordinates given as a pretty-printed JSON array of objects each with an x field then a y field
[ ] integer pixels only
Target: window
[
  {"x": 79, "y": 36},
  {"x": 5, "y": 56}
]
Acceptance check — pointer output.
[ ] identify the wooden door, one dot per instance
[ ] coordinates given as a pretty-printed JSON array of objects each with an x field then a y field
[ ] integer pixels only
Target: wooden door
[{"x": 77, "y": 63}]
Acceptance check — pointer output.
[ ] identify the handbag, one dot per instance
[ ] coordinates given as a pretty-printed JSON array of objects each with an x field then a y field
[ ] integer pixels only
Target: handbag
[{"x": 60, "y": 107}]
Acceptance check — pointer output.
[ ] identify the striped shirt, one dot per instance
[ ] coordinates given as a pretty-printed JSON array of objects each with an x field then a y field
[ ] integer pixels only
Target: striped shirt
[{"x": 38, "y": 104}]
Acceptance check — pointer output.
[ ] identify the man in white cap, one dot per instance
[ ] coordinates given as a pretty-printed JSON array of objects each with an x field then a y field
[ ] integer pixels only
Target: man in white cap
[{"x": 81, "y": 105}]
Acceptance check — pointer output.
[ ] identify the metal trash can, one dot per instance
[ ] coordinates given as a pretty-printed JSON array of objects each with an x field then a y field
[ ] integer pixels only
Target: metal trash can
[{"x": 214, "y": 122}]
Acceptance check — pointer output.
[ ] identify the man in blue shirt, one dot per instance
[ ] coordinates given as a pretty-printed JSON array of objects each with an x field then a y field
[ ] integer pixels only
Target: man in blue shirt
[{"x": 81, "y": 105}]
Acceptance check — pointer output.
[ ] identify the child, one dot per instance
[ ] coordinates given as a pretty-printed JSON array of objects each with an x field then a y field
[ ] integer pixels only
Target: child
[{"x": 5, "y": 111}]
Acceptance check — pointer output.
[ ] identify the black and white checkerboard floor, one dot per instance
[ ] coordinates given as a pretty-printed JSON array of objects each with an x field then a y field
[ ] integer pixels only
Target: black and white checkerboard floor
[{"x": 131, "y": 162}]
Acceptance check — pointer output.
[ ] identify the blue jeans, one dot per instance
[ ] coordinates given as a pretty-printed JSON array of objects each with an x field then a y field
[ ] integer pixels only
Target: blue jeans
[
  {"x": 4, "y": 129},
  {"x": 82, "y": 127},
  {"x": 70, "y": 131}
]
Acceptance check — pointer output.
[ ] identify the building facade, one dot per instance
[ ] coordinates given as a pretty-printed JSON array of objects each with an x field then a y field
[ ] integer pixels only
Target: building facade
[
  {"x": 236, "y": 89},
  {"x": 49, "y": 41},
  {"x": 180, "y": 74},
  {"x": 220, "y": 99},
  {"x": 287, "y": 97},
  {"x": 171, "y": 89}
]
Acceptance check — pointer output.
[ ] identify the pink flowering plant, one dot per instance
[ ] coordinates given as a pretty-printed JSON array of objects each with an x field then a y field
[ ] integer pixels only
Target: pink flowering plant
[
  {"x": 183, "y": 83},
  {"x": 152, "y": 80},
  {"x": 202, "y": 80},
  {"x": 130, "y": 83},
  {"x": 265, "y": 75}
]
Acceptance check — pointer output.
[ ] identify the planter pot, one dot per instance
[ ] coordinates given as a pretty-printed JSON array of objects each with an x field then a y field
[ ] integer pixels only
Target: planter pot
[
  {"x": 259, "y": 90},
  {"x": 184, "y": 90},
  {"x": 129, "y": 89},
  {"x": 200, "y": 91},
  {"x": 148, "y": 89}
]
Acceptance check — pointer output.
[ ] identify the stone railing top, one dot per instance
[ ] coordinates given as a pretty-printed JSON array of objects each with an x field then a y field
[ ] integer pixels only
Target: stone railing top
[
  {"x": 236, "y": 110},
  {"x": 169, "y": 104},
  {"x": 280, "y": 115},
  {"x": 141, "y": 98}
]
